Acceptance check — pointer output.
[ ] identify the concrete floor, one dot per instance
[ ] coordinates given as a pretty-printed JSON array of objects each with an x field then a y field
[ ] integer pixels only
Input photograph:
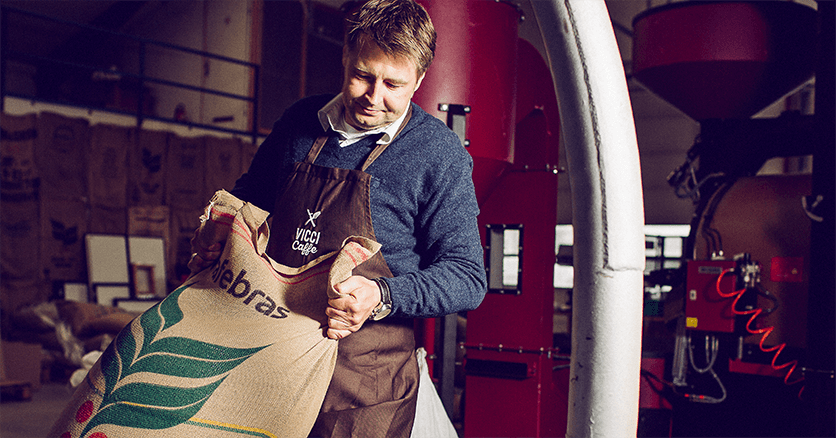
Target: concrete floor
[{"x": 34, "y": 418}]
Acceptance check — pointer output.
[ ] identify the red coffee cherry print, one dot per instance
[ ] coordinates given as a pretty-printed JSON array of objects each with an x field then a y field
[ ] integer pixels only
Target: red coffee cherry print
[{"x": 85, "y": 411}]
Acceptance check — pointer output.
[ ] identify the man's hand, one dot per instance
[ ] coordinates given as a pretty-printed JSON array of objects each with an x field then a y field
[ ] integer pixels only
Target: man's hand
[
  {"x": 346, "y": 314},
  {"x": 203, "y": 254}
]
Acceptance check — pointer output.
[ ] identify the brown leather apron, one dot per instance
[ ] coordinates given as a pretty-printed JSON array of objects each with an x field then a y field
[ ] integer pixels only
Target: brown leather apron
[{"x": 374, "y": 389}]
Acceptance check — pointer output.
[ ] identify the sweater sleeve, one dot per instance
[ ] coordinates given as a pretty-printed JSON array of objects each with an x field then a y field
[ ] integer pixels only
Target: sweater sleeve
[{"x": 451, "y": 274}]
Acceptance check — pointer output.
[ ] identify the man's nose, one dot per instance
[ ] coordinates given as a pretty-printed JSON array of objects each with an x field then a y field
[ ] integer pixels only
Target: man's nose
[{"x": 374, "y": 92}]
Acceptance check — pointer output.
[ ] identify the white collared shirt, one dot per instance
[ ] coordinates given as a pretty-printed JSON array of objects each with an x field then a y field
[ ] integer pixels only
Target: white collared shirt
[{"x": 332, "y": 116}]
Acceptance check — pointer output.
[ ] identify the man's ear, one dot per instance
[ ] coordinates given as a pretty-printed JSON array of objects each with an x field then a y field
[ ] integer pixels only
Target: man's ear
[{"x": 418, "y": 83}]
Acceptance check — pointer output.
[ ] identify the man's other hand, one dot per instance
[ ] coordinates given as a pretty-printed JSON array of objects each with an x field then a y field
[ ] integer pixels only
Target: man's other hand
[
  {"x": 204, "y": 254},
  {"x": 346, "y": 314}
]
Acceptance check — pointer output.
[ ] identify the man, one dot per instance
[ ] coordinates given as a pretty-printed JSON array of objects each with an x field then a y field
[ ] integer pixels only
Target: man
[{"x": 369, "y": 162}]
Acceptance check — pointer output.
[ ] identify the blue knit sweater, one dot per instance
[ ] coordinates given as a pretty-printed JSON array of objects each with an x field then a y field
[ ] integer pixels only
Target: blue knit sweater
[{"x": 423, "y": 203}]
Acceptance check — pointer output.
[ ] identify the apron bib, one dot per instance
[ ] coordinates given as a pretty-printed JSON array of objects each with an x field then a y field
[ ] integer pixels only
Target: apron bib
[{"x": 373, "y": 391}]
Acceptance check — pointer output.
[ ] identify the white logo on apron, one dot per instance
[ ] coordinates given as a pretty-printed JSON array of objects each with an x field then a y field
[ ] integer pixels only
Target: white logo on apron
[
  {"x": 312, "y": 217},
  {"x": 307, "y": 239}
]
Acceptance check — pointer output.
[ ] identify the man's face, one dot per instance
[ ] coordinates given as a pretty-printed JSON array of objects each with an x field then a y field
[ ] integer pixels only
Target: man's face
[{"x": 377, "y": 88}]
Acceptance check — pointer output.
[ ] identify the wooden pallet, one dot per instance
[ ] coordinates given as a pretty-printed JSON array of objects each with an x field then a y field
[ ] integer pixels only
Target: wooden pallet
[{"x": 15, "y": 390}]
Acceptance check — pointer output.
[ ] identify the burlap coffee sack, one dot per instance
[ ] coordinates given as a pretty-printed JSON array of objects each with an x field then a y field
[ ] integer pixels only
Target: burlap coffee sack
[
  {"x": 107, "y": 169},
  {"x": 223, "y": 162},
  {"x": 237, "y": 350},
  {"x": 62, "y": 154},
  {"x": 185, "y": 171},
  {"x": 147, "y": 169}
]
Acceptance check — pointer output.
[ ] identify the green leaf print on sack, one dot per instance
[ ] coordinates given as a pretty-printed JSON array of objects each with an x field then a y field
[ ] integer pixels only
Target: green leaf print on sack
[{"x": 131, "y": 400}]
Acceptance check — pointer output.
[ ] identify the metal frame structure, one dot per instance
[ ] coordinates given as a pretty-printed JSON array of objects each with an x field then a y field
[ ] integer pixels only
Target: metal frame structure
[{"x": 6, "y": 53}]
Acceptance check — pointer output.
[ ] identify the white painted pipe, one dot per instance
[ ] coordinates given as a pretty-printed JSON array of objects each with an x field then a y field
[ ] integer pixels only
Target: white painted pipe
[{"x": 608, "y": 216}]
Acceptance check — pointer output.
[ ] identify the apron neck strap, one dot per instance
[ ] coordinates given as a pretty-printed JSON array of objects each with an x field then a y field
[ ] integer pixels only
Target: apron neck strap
[
  {"x": 316, "y": 149},
  {"x": 320, "y": 142},
  {"x": 381, "y": 147}
]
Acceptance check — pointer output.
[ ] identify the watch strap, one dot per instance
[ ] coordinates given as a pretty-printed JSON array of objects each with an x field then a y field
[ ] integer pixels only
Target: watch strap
[
  {"x": 385, "y": 294},
  {"x": 385, "y": 306}
]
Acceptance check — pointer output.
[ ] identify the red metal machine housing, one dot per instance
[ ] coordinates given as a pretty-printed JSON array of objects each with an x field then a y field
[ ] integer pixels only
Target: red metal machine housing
[
  {"x": 705, "y": 309},
  {"x": 495, "y": 90},
  {"x": 513, "y": 327},
  {"x": 724, "y": 59}
]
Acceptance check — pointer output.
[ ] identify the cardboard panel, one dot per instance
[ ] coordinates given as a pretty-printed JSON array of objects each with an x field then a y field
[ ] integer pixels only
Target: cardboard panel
[{"x": 107, "y": 259}]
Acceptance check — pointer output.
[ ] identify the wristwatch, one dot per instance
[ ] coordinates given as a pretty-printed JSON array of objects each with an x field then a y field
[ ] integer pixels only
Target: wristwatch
[{"x": 383, "y": 309}]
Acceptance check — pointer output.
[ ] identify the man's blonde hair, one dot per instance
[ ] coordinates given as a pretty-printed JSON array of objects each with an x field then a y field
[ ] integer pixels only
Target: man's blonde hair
[{"x": 398, "y": 27}]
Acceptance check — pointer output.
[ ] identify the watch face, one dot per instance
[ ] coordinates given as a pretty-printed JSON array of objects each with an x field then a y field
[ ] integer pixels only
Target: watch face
[{"x": 382, "y": 312}]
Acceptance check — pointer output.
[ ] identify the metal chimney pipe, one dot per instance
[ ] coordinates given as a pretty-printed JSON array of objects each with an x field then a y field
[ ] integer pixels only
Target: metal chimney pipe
[{"x": 608, "y": 216}]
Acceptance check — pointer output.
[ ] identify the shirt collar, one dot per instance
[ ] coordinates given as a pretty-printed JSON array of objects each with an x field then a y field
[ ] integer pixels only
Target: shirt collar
[{"x": 332, "y": 116}]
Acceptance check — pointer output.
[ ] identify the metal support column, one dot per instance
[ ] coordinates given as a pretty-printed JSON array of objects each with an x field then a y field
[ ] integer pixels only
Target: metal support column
[{"x": 602, "y": 151}]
